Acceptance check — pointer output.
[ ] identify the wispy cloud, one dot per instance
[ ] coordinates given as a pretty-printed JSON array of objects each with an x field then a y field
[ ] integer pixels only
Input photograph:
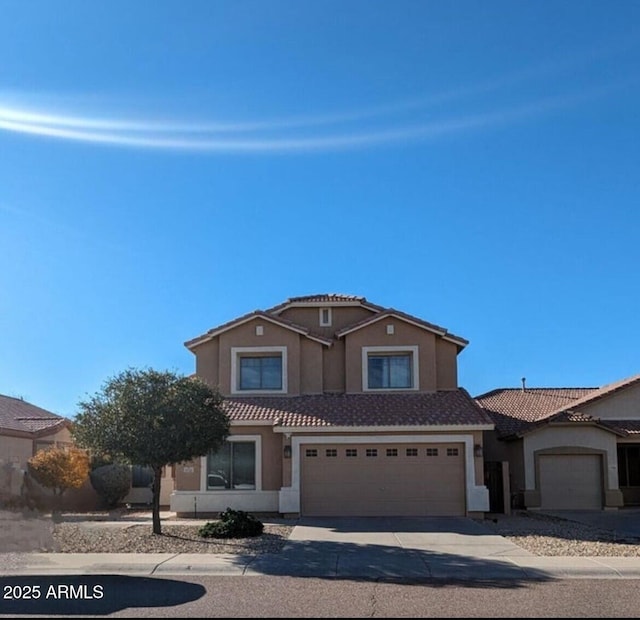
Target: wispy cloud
[{"x": 279, "y": 135}]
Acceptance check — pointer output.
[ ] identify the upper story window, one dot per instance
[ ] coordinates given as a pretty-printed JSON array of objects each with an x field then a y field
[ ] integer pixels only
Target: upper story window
[
  {"x": 390, "y": 368},
  {"x": 258, "y": 369},
  {"x": 325, "y": 317},
  {"x": 261, "y": 373}
]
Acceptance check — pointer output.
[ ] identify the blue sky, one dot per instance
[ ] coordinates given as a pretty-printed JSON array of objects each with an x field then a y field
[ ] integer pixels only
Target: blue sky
[{"x": 168, "y": 166}]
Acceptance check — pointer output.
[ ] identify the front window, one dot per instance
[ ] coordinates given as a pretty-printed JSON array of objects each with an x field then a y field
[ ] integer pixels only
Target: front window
[
  {"x": 390, "y": 371},
  {"x": 261, "y": 373},
  {"x": 232, "y": 467}
]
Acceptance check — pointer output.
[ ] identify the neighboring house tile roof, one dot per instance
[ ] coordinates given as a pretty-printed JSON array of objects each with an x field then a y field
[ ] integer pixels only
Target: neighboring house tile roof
[
  {"x": 444, "y": 408},
  {"x": 516, "y": 411},
  {"x": 629, "y": 427},
  {"x": 19, "y": 415}
]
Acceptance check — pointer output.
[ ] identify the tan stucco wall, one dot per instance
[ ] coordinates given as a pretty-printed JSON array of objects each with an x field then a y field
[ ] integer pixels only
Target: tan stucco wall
[
  {"x": 340, "y": 318},
  {"x": 272, "y": 461},
  {"x": 623, "y": 405},
  {"x": 404, "y": 335},
  {"x": 188, "y": 475},
  {"x": 273, "y": 335},
  {"x": 16, "y": 450},
  {"x": 446, "y": 365},
  {"x": 311, "y": 366},
  {"x": 208, "y": 362},
  {"x": 333, "y": 372},
  {"x": 571, "y": 437}
]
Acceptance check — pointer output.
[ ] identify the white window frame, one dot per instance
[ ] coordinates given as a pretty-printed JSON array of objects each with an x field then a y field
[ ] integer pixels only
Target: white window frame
[
  {"x": 390, "y": 350},
  {"x": 204, "y": 466},
  {"x": 328, "y": 322},
  {"x": 238, "y": 352}
]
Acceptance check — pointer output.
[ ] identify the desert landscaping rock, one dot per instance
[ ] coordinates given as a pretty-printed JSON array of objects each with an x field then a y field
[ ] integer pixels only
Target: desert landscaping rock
[{"x": 539, "y": 534}]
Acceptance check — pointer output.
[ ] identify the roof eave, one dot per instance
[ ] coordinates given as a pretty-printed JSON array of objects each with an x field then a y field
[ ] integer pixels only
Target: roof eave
[
  {"x": 430, "y": 428},
  {"x": 210, "y": 335}
]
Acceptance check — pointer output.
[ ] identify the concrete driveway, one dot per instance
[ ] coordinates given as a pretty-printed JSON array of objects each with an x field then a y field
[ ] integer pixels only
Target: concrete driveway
[{"x": 380, "y": 547}]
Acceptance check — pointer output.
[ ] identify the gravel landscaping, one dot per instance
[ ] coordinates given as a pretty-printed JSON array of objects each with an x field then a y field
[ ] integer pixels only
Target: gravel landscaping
[
  {"x": 545, "y": 535},
  {"x": 73, "y": 538},
  {"x": 540, "y": 534}
]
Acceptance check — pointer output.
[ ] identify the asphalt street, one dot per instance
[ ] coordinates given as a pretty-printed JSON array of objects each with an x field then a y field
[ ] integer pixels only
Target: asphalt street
[{"x": 261, "y": 597}]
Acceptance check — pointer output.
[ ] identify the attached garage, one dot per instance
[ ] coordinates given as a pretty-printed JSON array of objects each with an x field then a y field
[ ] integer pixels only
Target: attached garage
[
  {"x": 570, "y": 481},
  {"x": 421, "y": 479}
]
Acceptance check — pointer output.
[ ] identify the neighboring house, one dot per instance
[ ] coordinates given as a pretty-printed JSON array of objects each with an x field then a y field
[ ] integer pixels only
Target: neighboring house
[
  {"x": 25, "y": 429},
  {"x": 337, "y": 407},
  {"x": 566, "y": 448}
]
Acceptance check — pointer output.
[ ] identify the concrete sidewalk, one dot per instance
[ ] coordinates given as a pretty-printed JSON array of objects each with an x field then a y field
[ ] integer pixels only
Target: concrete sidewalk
[{"x": 394, "y": 549}]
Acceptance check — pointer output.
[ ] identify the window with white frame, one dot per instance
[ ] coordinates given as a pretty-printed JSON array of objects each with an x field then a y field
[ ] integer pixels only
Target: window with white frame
[
  {"x": 233, "y": 466},
  {"x": 325, "y": 317},
  {"x": 390, "y": 368},
  {"x": 258, "y": 369}
]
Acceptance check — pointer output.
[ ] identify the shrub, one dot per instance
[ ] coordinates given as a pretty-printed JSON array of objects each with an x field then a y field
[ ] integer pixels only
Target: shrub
[
  {"x": 111, "y": 482},
  {"x": 59, "y": 469},
  {"x": 232, "y": 524}
]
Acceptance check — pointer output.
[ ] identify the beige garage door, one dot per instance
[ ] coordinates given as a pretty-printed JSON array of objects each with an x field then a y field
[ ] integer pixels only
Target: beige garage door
[
  {"x": 571, "y": 481},
  {"x": 383, "y": 480}
]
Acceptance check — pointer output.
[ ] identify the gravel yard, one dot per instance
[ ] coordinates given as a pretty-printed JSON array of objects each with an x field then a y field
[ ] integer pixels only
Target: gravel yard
[
  {"x": 138, "y": 538},
  {"x": 544, "y": 535},
  {"x": 540, "y": 534}
]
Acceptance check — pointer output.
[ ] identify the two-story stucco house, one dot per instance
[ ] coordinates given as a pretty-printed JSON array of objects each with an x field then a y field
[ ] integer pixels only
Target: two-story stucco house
[{"x": 337, "y": 407}]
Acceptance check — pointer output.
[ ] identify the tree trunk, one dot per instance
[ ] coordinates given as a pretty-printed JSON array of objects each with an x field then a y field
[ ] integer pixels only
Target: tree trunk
[{"x": 157, "y": 479}]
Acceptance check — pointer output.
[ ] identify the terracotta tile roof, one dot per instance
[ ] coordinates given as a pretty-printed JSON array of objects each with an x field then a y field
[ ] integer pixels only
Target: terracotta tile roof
[
  {"x": 629, "y": 427},
  {"x": 256, "y": 314},
  {"x": 454, "y": 407},
  {"x": 605, "y": 390},
  {"x": 19, "y": 415},
  {"x": 514, "y": 410},
  {"x": 323, "y": 298},
  {"x": 389, "y": 312}
]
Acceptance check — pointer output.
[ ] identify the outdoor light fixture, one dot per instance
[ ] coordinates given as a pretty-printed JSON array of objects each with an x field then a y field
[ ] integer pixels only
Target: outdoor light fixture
[
  {"x": 477, "y": 449},
  {"x": 287, "y": 452}
]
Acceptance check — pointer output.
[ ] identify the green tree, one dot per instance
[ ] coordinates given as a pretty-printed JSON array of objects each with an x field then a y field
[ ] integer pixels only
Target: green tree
[
  {"x": 153, "y": 418},
  {"x": 59, "y": 469}
]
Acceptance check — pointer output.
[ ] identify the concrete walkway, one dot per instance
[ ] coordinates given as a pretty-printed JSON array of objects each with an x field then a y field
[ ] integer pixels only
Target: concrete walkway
[{"x": 394, "y": 549}]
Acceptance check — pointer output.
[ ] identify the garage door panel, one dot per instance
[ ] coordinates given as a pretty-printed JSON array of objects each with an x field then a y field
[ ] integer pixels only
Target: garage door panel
[
  {"x": 406, "y": 484},
  {"x": 570, "y": 481}
]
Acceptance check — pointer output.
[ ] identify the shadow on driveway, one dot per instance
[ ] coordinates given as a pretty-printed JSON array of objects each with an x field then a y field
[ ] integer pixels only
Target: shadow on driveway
[{"x": 411, "y": 550}]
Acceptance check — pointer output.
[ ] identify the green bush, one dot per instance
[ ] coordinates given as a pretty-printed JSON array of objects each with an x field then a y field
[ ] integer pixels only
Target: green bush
[
  {"x": 111, "y": 482},
  {"x": 232, "y": 524}
]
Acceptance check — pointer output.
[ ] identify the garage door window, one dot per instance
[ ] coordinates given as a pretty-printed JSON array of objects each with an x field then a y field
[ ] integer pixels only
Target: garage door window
[
  {"x": 351, "y": 452},
  {"x": 232, "y": 467}
]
